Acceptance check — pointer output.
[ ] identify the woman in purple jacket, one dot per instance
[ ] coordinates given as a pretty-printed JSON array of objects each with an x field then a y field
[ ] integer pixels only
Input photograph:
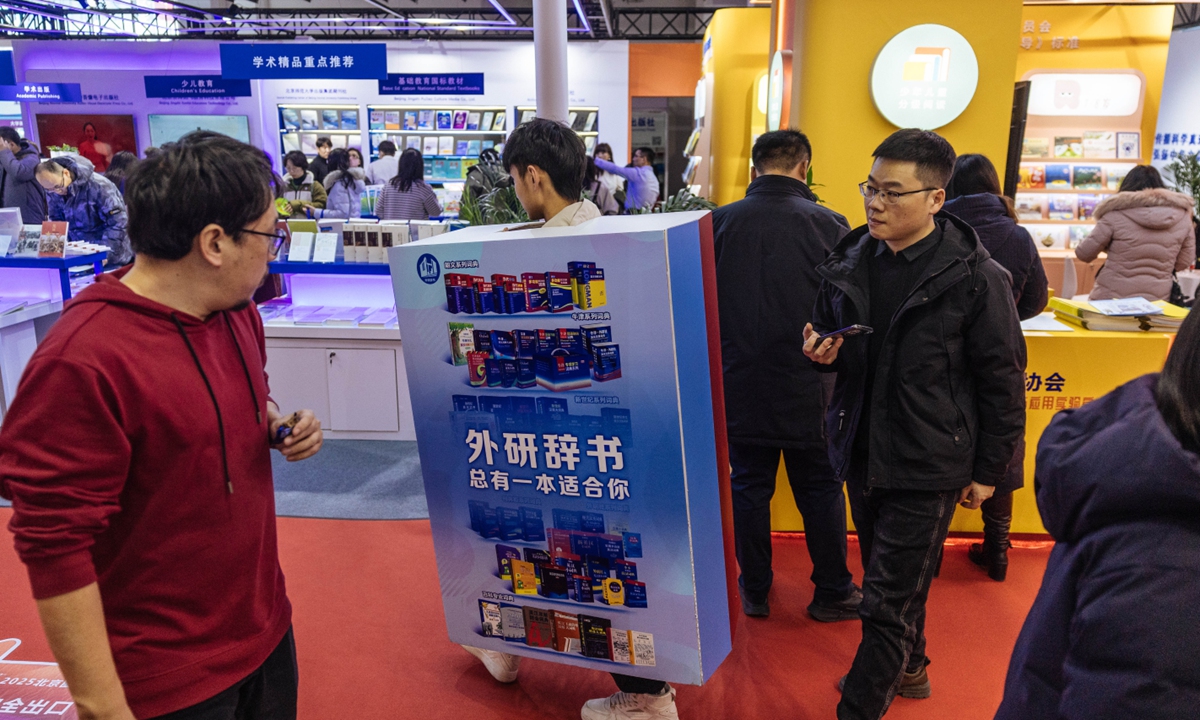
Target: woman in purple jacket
[{"x": 1114, "y": 630}]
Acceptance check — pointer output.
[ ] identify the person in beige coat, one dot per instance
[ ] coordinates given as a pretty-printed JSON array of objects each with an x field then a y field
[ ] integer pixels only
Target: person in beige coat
[{"x": 1148, "y": 234}]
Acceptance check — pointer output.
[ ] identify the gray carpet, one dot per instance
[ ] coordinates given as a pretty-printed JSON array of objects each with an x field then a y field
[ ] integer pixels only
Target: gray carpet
[{"x": 351, "y": 480}]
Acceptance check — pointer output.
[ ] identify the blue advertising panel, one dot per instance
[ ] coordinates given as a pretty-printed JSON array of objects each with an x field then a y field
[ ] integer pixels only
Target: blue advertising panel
[
  {"x": 42, "y": 92},
  {"x": 569, "y": 424},
  {"x": 328, "y": 61},
  {"x": 8, "y": 72},
  {"x": 195, "y": 86},
  {"x": 432, "y": 84}
]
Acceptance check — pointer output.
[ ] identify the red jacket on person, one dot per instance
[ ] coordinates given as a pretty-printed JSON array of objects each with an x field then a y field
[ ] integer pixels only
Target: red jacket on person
[{"x": 120, "y": 473}]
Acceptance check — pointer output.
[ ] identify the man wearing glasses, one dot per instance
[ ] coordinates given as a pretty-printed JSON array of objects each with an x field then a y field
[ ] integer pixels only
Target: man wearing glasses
[
  {"x": 137, "y": 457},
  {"x": 89, "y": 202},
  {"x": 928, "y": 406}
]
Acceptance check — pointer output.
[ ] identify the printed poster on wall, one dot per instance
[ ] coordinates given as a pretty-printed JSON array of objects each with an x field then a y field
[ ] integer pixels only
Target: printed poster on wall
[{"x": 563, "y": 381}]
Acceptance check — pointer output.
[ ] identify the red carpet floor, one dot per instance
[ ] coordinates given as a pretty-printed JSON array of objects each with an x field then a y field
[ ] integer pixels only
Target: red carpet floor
[{"x": 373, "y": 646}]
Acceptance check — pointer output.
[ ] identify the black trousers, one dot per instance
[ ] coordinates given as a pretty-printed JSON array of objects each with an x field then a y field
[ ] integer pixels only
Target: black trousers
[
  {"x": 819, "y": 498},
  {"x": 637, "y": 685},
  {"x": 901, "y": 533},
  {"x": 268, "y": 693}
]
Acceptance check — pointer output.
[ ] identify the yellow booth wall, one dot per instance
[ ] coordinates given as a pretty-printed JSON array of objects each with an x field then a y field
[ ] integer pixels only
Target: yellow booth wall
[
  {"x": 1110, "y": 37},
  {"x": 837, "y": 43}
]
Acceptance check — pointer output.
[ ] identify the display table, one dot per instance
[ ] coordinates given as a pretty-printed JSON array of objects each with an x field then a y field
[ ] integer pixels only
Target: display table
[{"x": 1066, "y": 369}]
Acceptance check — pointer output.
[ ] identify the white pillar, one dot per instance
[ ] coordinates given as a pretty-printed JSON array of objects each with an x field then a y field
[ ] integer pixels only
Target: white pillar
[{"x": 550, "y": 58}]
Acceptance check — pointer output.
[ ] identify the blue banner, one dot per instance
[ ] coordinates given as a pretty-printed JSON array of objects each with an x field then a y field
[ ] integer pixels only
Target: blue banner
[
  {"x": 321, "y": 61},
  {"x": 42, "y": 92},
  {"x": 8, "y": 74},
  {"x": 435, "y": 84},
  {"x": 195, "y": 86}
]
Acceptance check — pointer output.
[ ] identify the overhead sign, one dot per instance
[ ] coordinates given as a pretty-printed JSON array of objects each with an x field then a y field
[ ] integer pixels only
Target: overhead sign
[
  {"x": 195, "y": 86},
  {"x": 924, "y": 77},
  {"x": 432, "y": 84},
  {"x": 42, "y": 92},
  {"x": 328, "y": 61},
  {"x": 1089, "y": 94}
]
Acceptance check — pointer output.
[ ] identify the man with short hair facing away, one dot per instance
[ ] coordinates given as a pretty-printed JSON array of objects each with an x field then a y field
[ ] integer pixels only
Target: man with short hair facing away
[
  {"x": 383, "y": 169},
  {"x": 146, "y": 518},
  {"x": 319, "y": 166},
  {"x": 927, "y": 408},
  {"x": 768, "y": 247},
  {"x": 547, "y": 161},
  {"x": 642, "y": 191},
  {"x": 18, "y": 184},
  {"x": 90, "y": 203}
]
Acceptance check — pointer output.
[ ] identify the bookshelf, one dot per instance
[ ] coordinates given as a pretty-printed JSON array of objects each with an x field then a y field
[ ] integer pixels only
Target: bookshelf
[
  {"x": 449, "y": 138},
  {"x": 301, "y": 125},
  {"x": 583, "y": 119}
]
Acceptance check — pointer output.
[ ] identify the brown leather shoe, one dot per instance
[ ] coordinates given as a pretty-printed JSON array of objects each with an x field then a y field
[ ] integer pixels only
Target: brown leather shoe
[{"x": 915, "y": 685}]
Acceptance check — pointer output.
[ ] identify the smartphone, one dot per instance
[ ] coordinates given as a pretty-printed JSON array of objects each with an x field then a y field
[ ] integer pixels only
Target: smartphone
[
  {"x": 846, "y": 332},
  {"x": 284, "y": 430}
]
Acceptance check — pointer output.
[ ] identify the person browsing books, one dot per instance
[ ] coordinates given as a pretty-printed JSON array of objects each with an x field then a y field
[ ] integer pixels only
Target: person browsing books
[
  {"x": 345, "y": 188},
  {"x": 301, "y": 189},
  {"x": 384, "y": 169},
  {"x": 927, "y": 409},
  {"x": 407, "y": 196},
  {"x": 89, "y": 202},
  {"x": 146, "y": 520},
  {"x": 18, "y": 186},
  {"x": 642, "y": 191},
  {"x": 319, "y": 166}
]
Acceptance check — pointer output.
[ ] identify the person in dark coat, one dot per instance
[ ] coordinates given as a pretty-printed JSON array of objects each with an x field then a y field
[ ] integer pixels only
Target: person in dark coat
[
  {"x": 1113, "y": 632},
  {"x": 974, "y": 196},
  {"x": 927, "y": 409},
  {"x": 768, "y": 247},
  {"x": 18, "y": 185}
]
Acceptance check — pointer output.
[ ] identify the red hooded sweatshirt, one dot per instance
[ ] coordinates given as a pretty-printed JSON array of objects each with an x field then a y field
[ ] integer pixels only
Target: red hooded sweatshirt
[{"x": 130, "y": 427}]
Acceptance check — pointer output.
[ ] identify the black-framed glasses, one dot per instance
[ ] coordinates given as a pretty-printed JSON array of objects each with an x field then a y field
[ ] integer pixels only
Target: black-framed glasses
[
  {"x": 889, "y": 197},
  {"x": 280, "y": 238}
]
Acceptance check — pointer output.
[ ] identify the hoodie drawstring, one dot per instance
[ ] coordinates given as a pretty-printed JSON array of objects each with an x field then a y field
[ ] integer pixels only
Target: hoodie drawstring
[{"x": 213, "y": 396}]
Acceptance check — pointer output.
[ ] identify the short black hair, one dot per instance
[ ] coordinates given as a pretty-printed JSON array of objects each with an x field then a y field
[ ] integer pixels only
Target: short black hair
[
  {"x": 1142, "y": 177},
  {"x": 7, "y": 133},
  {"x": 974, "y": 174},
  {"x": 647, "y": 153},
  {"x": 387, "y": 147},
  {"x": 555, "y": 149},
  {"x": 933, "y": 155},
  {"x": 224, "y": 181},
  {"x": 297, "y": 159},
  {"x": 324, "y": 141},
  {"x": 780, "y": 150}
]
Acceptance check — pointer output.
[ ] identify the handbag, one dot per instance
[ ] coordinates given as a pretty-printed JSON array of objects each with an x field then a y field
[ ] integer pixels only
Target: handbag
[{"x": 1177, "y": 293}]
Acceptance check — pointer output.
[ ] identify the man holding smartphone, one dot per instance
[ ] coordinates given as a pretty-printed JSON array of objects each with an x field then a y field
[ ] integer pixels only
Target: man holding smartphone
[
  {"x": 927, "y": 408},
  {"x": 768, "y": 247},
  {"x": 137, "y": 457}
]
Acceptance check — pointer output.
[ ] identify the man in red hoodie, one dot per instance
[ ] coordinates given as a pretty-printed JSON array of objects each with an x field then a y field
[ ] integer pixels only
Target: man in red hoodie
[{"x": 137, "y": 457}]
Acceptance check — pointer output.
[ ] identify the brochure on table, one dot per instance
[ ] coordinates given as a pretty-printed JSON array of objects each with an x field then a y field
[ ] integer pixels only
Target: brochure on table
[{"x": 565, "y": 381}]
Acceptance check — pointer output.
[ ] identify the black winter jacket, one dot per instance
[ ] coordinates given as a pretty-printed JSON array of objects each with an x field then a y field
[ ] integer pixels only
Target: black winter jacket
[
  {"x": 948, "y": 404},
  {"x": 768, "y": 247},
  {"x": 1010, "y": 245},
  {"x": 18, "y": 186},
  {"x": 1114, "y": 630}
]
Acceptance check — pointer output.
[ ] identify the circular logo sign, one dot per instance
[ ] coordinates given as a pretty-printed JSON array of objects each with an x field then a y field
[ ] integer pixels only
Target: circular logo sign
[
  {"x": 775, "y": 92},
  {"x": 428, "y": 269},
  {"x": 924, "y": 77}
]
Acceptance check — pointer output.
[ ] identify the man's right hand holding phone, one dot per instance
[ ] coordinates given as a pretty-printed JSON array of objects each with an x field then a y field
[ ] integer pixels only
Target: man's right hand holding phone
[{"x": 824, "y": 352}]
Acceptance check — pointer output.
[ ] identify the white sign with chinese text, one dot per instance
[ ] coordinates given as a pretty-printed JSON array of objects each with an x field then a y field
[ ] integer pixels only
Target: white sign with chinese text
[{"x": 924, "y": 77}]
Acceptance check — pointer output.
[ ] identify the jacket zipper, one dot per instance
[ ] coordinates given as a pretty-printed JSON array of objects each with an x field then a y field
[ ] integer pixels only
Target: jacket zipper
[{"x": 841, "y": 420}]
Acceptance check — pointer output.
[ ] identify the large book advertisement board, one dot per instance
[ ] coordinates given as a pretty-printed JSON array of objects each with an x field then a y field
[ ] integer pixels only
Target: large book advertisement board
[{"x": 571, "y": 431}]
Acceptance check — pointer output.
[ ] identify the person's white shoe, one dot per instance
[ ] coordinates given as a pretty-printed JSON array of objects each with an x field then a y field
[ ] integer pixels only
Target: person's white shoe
[
  {"x": 632, "y": 706},
  {"x": 502, "y": 666}
]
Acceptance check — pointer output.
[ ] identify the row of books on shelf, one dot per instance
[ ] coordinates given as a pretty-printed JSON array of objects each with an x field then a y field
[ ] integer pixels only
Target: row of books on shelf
[
  {"x": 1124, "y": 315},
  {"x": 307, "y": 142},
  {"x": 471, "y": 120},
  {"x": 580, "y": 122},
  {"x": 1059, "y": 237},
  {"x": 1079, "y": 177},
  {"x": 436, "y": 144},
  {"x": 281, "y": 313},
  {"x": 448, "y": 168},
  {"x": 1097, "y": 144},
  {"x": 318, "y": 119},
  {"x": 1032, "y": 207}
]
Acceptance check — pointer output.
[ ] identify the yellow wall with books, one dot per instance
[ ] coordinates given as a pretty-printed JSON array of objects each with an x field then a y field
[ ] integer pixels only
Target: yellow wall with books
[
  {"x": 1110, "y": 37},
  {"x": 836, "y": 47}
]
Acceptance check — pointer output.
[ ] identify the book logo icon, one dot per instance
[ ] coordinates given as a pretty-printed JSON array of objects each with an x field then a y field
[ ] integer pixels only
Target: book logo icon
[
  {"x": 428, "y": 269},
  {"x": 928, "y": 64}
]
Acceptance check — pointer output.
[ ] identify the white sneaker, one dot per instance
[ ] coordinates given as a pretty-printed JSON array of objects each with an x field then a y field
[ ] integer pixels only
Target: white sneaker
[
  {"x": 632, "y": 706},
  {"x": 502, "y": 666}
]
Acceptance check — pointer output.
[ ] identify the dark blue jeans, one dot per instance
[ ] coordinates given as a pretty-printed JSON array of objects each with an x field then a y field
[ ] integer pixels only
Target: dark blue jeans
[
  {"x": 821, "y": 503},
  {"x": 901, "y": 533}
]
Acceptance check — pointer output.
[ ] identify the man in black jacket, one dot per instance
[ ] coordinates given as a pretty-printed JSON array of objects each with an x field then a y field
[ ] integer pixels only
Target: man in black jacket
[
  {"x": 927, "y": 409},
  {"x": 18, "y": 186},
  {"x": 768, "y": 247}
]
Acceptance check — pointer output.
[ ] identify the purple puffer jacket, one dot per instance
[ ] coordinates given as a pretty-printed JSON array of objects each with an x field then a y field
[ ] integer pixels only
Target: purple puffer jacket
[{"x": 1148, "y": 235}]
